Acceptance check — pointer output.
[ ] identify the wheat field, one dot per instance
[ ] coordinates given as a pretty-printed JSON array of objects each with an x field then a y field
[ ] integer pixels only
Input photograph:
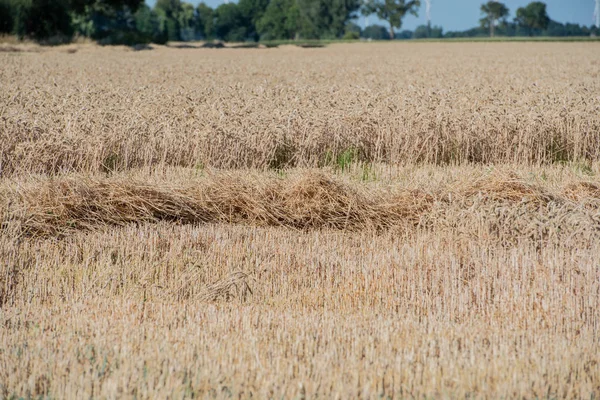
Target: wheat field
[{"x": 400, "y": 220}]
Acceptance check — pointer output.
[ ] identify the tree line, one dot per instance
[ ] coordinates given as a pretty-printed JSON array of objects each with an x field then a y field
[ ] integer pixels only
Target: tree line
[
  {"x": 133, "y": 21},
  {"x": 531, "y": 20}
]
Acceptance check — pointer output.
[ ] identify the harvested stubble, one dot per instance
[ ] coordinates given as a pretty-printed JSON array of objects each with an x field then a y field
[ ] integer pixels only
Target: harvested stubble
[
  {"x": 110, "y": 109},
  {"x": 121, "y": 313}
]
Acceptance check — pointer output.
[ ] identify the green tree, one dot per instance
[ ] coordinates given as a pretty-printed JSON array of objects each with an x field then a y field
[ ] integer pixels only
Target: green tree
[
  {"x": 168, "y": 12},
  {"x": 323, "y": 19},
  {"x": 280, "y": 20},
  {"x": 376, "y": 32},
  {"x": 341, "y": 12},
  {"x": 205, "y": 25},
  {"x": 186, "y": 19},
  {"x": 108, "y": 21},
  {"x": 229, "y": 24},
  {"x": 147, "y": 24},
  {"x": 42, "y": 19},
  {"x": 310, "y": 17},
  {"x": 494, "y": 12},
  {"x": 251, "y": 11},
  {"x": 393, "y": 11},
  {"x": 533, "y": 17},
  {"x": 352, "y": 31},
  {"x": 83, "y": 6},
  {"x": 145, "y": 20},
  {"x": 7, "y": 12},
  {"x": 427, "y": 31}
]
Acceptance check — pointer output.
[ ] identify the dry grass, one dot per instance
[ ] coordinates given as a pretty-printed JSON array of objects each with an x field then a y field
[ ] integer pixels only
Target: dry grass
[
  {"x": 304, "y": 200},
  {"x": 438, "y": 236}
]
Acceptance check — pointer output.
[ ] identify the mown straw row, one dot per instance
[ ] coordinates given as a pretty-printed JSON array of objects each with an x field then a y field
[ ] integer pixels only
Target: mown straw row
[{"x": 304, "y": 200}]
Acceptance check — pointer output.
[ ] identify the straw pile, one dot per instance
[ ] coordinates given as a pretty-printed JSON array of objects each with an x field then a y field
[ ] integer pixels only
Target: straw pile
[{"x": 304, "y": 200}]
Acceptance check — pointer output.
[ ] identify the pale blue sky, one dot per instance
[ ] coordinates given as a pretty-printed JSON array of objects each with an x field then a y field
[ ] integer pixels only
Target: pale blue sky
[{"x": 455, "y": 15}]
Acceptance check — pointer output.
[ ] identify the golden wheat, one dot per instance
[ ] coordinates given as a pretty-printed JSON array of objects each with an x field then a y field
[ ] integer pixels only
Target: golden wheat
[
  {"x": 110, "y": 109},
  {"x": 357, "y": 221}
]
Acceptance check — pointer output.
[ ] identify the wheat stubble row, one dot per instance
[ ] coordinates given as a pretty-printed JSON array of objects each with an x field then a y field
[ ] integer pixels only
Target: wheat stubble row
[{"x": 343, "y": 314}]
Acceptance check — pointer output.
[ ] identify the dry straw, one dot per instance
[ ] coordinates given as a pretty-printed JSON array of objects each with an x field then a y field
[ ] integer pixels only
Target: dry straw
[
  {"x": 304, "y": 200},
  {"x": 235, "y": 286}
]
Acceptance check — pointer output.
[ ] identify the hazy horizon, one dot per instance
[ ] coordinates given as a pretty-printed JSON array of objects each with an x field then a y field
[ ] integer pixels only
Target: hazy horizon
[{"x": 464, "y": 14}]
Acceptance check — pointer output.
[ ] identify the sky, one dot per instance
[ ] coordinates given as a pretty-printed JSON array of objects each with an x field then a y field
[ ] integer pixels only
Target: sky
[{"x": 454, "y": 15}]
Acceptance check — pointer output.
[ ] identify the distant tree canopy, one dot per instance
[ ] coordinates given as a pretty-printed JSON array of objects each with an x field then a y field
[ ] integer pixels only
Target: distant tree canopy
[
  {"x": 494, "y": 12},
  {"x": 6, "y": 19},
  {"x": 115, "y": 21},
  {"x": 281, "y": 20},
  {"x": 393, "y": 11},
  {"x": 251, "y": 11},
  {"x": 205, "y": 21},
  {"x": 56, "y": 21},
  {"x": 38, "y": 19},
  {"x": 80, "y": 6},
  {"x": 133, "y": 21},
  {"x": 532, "y": 20},
  {"x": 428, "y": 32},
  {"x": 376, "y": 32},
  {"x": 534, "y": 17},
  {"x": 229, "y": 23}
]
